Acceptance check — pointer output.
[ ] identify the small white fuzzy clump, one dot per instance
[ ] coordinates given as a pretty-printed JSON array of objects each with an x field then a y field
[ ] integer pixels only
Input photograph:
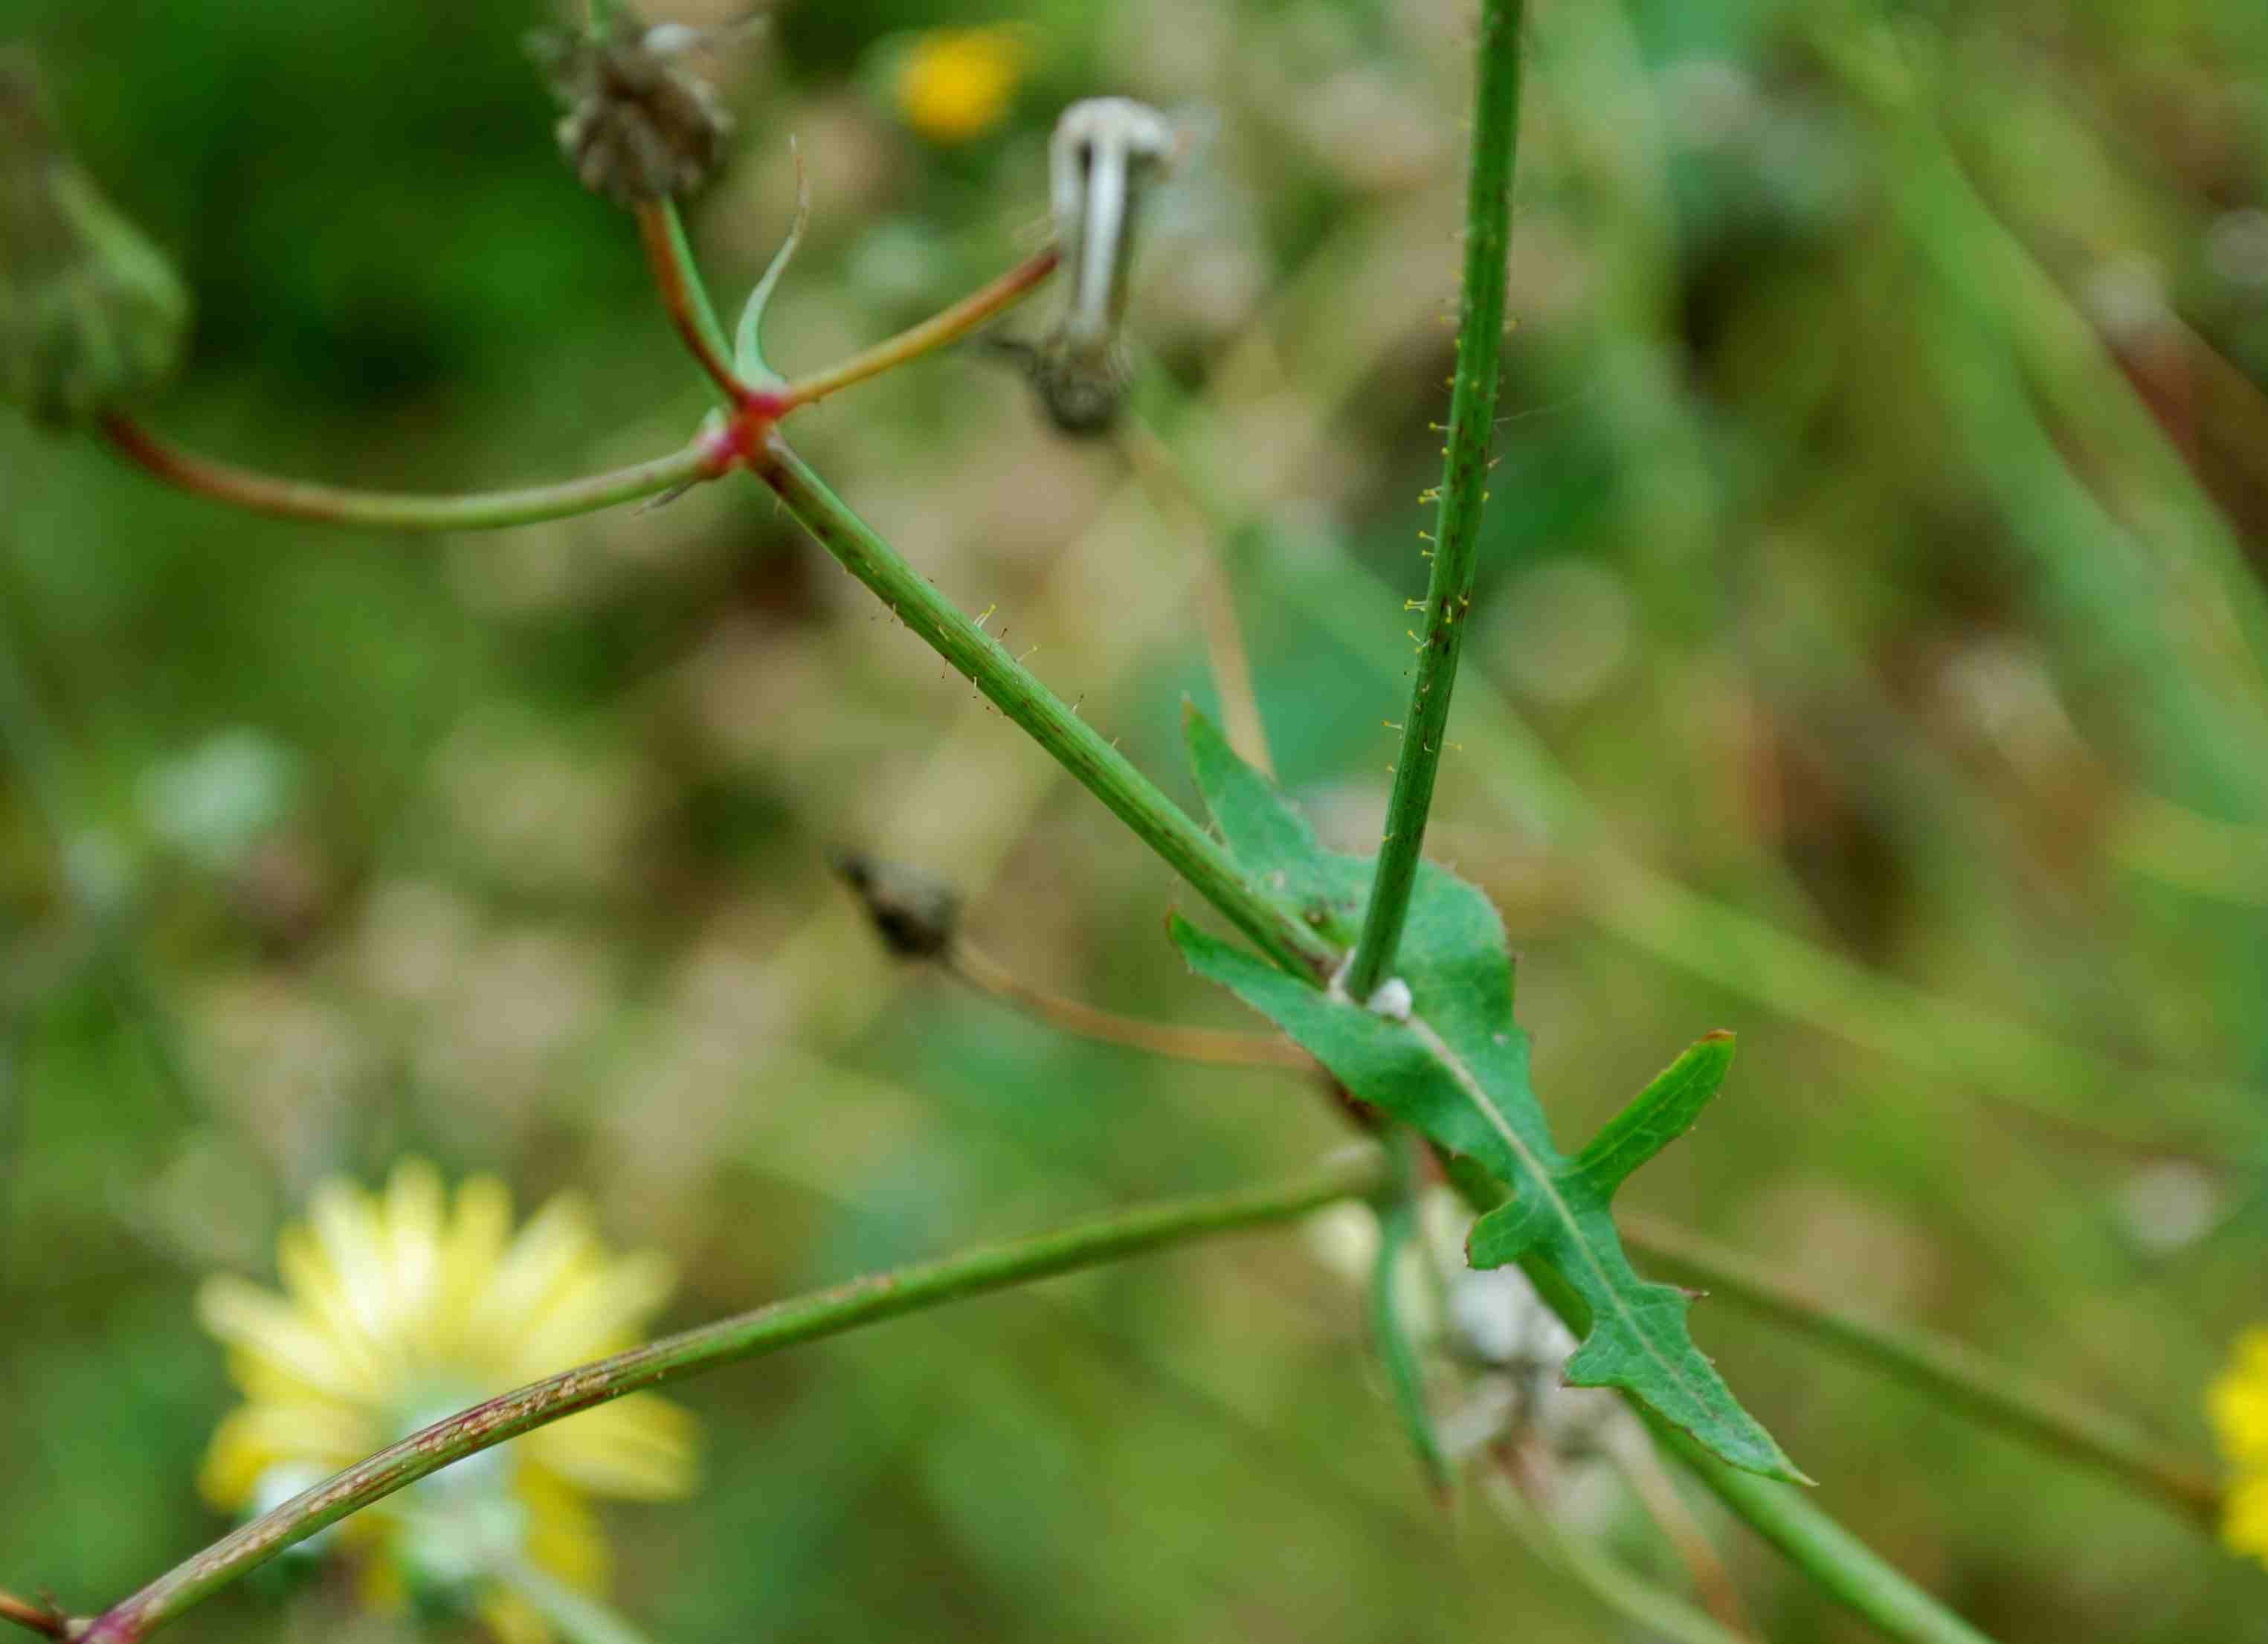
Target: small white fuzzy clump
[{"x": 1392, "y": 999}]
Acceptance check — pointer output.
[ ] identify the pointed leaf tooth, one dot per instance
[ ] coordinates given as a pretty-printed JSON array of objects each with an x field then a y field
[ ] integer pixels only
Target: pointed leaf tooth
[{"x": 1657, "y": 1115}]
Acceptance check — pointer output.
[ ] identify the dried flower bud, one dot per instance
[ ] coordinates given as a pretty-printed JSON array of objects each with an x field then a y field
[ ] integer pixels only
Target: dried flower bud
[
  {"x": 639, "y": 125},
  {"x": 1101, "y": 162},
  {"x": 916, "y": 916},
  {"x": 90, "y": 312}
]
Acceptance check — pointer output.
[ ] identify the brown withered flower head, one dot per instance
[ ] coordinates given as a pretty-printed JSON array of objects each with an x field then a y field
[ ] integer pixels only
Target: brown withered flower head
[
  {"x": 640, "y": 125},
  {"x": 90, "y": 312},
  {"x": 915, "y": 915}
]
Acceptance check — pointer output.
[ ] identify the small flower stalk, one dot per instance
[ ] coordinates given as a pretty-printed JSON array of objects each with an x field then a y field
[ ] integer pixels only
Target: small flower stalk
[
  {"x": 90, "y": 312},
  {"x": 640, "y": 125},
  {"x": 1105, "y": 154}
]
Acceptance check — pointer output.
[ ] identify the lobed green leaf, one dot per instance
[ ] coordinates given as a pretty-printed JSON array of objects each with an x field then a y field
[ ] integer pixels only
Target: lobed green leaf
[{"x": 1455, "y": 1068}]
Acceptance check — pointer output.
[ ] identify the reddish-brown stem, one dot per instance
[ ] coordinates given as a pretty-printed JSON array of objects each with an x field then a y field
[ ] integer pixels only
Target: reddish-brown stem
[
  {"x": 41, "y": 1618},
  {"x": 947, "y": 326},
  {"x": 1213, "y": 1047},
  {"x": 302, "y": 499},
  {"x": 669, "y": 278}
]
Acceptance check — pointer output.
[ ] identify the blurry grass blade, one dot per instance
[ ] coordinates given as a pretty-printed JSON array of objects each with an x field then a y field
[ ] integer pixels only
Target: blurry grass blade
[
  {"x": 90, "y": 313},
  {"x": 1390, "y": 1326},
  {"x": 1843, "y": 1567},
  {"x": 748, "y": 343},
  {"x": 1628, "y": 1595},
  {"x": 1455, "y": 1067}
]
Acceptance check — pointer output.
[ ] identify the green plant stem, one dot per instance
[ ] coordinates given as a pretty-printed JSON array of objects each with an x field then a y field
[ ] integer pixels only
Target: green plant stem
[
  {"x": 575, "y": 1616},
  {"x": 1955, "y": 1373},
  {"x": 1842, "y": 1565},
  {"x": 1951, "y": 1041},
  {"x": 696, "y": 290},
  {"x": 482, "y": 511},
  {"x": 1464, "y": 480},
  {"x": 830, "y": 1312},
  {"x": 1164, "y": 826}
]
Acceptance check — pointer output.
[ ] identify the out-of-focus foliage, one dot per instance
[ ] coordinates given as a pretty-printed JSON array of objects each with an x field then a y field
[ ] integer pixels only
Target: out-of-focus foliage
[{"x": 1875, "y": 553}]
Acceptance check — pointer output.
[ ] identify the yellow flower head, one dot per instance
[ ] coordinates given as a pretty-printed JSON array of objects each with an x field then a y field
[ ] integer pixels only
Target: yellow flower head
[
  {"x": 2238, "y": 1405},
  {"x": 954, "y": 84},
  {"x": 400, "y": 1308}
]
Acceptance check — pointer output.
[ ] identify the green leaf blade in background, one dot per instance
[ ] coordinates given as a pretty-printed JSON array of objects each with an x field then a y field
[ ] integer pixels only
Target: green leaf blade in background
[{"x": 1456, "y": 1070}]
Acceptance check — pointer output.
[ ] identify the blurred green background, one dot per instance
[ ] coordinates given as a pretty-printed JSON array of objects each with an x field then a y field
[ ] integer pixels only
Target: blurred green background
[{"x": 1871, "y": 663}]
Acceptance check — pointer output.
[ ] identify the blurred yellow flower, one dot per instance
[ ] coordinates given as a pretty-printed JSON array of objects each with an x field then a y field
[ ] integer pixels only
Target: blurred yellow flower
[
  {"x": 2238, "y": 1405},
  {"x": 400, "y": 1308},
  {"x": 954, "y": 84}
]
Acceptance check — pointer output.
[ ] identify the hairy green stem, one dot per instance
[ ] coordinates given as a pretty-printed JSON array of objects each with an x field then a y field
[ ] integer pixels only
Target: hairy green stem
[
  {"x": 1464, "y": 480},
  {"x": 390, "y": 511},
  {"x": 1056, "y": 725},
  {"x": 1957, "y": 1374},
  {"x": 830, "y": 1312}
]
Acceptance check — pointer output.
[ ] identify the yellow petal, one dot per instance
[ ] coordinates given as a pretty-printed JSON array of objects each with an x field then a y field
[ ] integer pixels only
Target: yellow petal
[
  {"x": 512, "y": 1618},
  {"x": 2244, "y": 1520},
  {"x": 604, "y": 1313},
  {"x": 345, "y": 1224},
  {"x": 469, "y": 1253},
  {"x": 562, "y": 1536},
  {"x": 268, "y": 1333},
  {"x": 552, "y": 1251},
  {"x": 411, "y": 1222},
  {"x": 2238, "y": 1402},
  {"x": 321, "y": 1299},
  {"x": 254, "y": 1437},
  {"x": 379, "y": 1584},
  {"x": 642, "y": 1447}
]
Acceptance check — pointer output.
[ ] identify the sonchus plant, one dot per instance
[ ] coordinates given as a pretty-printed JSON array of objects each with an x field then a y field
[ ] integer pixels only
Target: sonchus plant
[{"x": 1385, "y": 971}]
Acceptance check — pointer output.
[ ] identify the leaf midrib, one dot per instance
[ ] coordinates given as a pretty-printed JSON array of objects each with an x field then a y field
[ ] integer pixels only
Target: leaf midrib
[{"x": 1477, "y": 1095}]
